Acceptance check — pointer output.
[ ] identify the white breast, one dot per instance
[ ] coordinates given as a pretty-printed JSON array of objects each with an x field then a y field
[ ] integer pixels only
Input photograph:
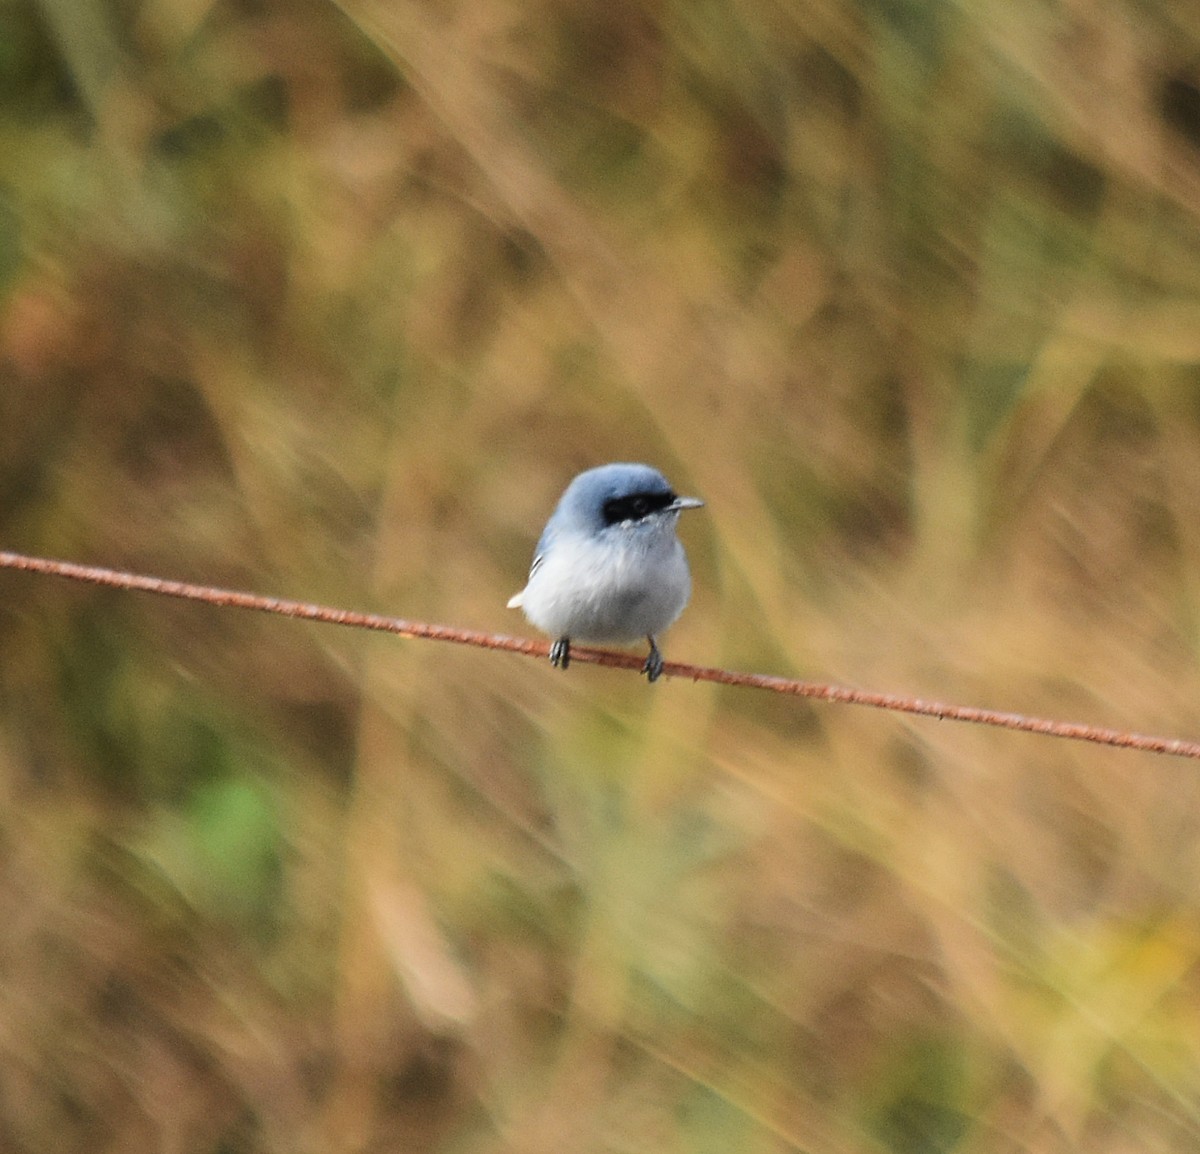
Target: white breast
[{"x": 630, "y": 582}]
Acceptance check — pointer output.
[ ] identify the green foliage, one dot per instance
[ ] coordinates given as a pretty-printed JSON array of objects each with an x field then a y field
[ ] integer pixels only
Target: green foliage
[{"x": 224, "y": 855}]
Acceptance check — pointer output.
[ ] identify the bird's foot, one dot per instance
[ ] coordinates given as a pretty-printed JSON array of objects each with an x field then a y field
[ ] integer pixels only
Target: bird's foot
[
  {"x": 560, "y": 653},
  {"x": 654, "y": 663}
]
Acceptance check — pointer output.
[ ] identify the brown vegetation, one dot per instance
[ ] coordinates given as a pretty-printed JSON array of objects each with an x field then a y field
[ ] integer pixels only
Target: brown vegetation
[{"x": 329, "y": 301}]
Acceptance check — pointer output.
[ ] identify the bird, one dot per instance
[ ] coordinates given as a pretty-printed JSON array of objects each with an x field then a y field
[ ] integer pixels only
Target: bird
[{"x": 608, "y": 566}]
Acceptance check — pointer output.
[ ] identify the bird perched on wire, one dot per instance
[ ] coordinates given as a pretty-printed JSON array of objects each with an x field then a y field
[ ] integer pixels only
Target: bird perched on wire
[{"x": 608, "y": 567}]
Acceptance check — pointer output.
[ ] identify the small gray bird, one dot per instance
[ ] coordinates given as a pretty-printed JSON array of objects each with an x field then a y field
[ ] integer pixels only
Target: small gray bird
[{"x": 609, "y": 567}]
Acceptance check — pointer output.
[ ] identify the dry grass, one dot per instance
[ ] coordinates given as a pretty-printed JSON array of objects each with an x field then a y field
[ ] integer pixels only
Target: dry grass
[{"x": 329, "y": 301}]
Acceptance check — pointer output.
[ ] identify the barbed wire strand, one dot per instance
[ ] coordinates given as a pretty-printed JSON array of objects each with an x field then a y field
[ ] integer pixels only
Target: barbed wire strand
[{"x": 816, "y": 690}]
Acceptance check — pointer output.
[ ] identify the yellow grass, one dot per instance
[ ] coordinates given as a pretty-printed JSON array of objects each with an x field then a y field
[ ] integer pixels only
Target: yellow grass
[{"x": 330, "y": 301}]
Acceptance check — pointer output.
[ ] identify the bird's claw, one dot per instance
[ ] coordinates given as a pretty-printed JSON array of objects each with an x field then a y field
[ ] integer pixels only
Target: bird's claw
[
  {"x": 560, "y": 653},
  {"x": 654, "y": 663},
  {"x": 560, "y": 658}
]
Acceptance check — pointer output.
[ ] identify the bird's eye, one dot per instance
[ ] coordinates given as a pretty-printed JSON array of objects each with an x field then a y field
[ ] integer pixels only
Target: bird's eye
[{"x": 635, "y": 507}]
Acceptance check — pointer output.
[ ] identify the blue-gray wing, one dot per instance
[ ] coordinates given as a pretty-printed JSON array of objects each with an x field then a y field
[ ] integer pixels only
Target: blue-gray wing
[
  {"x": 543, "y": 547},
  {"x": 539, "y": 555}
]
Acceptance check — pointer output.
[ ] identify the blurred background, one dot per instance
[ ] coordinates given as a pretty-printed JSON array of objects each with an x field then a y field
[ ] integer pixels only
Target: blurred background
[{"x": 329, "y": 300}]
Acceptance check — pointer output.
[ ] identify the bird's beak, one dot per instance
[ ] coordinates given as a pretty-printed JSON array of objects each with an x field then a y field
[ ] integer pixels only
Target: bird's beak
[{"x": 681, "y": 503}]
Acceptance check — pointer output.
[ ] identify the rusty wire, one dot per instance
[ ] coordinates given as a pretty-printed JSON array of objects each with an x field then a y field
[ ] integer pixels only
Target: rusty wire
[{"x": 820, "y": 691}]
